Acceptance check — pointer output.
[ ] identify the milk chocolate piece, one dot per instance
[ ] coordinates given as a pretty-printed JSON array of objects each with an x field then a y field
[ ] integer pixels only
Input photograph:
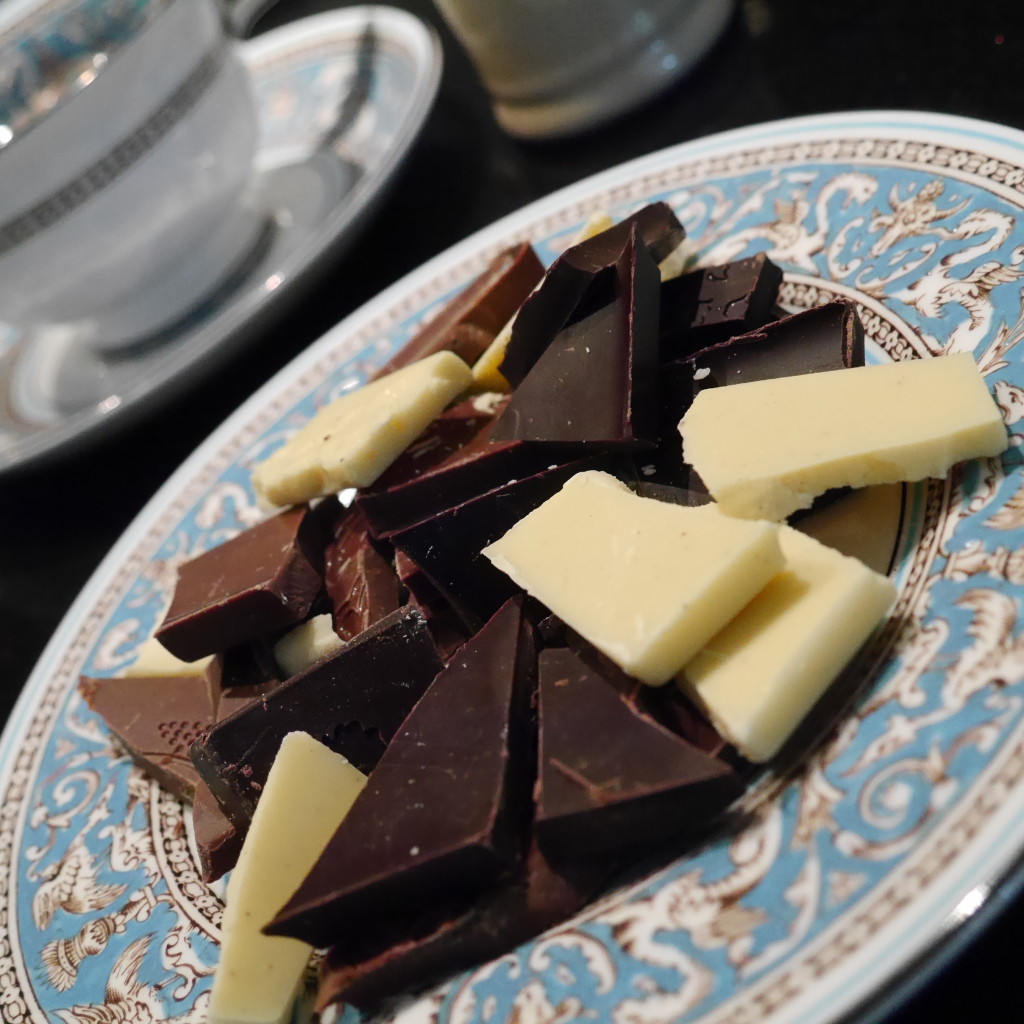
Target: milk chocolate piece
[
  {"x": 359, "y": 579},
  {"x": 828, "y": 337},
  {"x": 575, "y": 284},
  {"x": 717, "y": 303},
  {"x": 447, "y": 546},
  {"x": 609, "y": 776},
  {"x": 480, "y": 465},
  {"x": 157, "y": 719},
  {"x": 352, "y": 701},
  {"x": 263, "y": 580},
  {"x": 444, "y": 812},
  {"x": 472, "y": 320},
  {"x": 218, "y": 841},
  {"x": 595, "y": 383},
  {"x": 541, "y": 894}
]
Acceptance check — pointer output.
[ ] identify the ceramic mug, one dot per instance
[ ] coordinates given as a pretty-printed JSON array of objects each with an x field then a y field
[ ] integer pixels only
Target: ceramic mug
[
  {"x": 128, "y": 137},
  {"x": 554, "y": 67}
]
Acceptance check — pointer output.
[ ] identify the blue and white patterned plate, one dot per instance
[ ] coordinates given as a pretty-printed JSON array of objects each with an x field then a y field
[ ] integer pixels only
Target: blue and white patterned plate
[{"x": 851, "y": 868}]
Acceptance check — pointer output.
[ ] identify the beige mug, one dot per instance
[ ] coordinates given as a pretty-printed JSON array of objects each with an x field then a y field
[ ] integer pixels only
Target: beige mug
[{"x": 556, "y": 67}]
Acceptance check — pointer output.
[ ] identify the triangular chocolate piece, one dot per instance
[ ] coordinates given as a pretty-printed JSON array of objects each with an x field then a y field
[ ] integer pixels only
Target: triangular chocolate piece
[
  {"x": 444, "y": 812},
  {"x": 609, "y": 776},
  {"x": 218, "y": 841},
  {"x": 595, "y": 383},
  {"x": 571, "y": 280},
  {"x": 157, "y": 719},
  {"x": 352, "y": 701}
]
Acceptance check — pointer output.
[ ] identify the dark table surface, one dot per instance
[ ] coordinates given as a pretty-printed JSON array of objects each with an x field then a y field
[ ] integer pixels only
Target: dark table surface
[{"x": 779, "y": 58}]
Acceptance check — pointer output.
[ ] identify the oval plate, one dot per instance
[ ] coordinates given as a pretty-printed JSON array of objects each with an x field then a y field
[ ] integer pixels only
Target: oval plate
[{"x": 854, "y": 865}]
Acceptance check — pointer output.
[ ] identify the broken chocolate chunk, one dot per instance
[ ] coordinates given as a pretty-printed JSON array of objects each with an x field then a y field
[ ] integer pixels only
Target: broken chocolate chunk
[
  {"x": 218, "y": 841},
  {"x": 575, "y": 284},
  {"x": 444, "y": 813},
  {"x": 609, "y": 776},
  {"x": 542, "y": 893},
  {"x": 717, "y": 303},
  {"x": 595, "y": 383},
  {"x": 352, "y": 701},
  {"x": 263, "y": 580},
  {"x": 472, "y": 320},
  {"x": 157, "y": 719},
  {"x": 447, "y": 546},
  {"x": 828, "y": 337},
  {"x": 359, "y": 579}
]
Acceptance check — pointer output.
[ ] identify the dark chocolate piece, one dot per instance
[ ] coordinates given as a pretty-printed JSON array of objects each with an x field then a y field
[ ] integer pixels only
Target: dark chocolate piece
[
  {"x": 471, "y": 321},
  {"x": 609, "y": 776},
  {"x": 731, "y": 299},
  {"x": 673, "y": 495},
  {"x": 540, "y": 895},
  {"x": 218, "y": 841},
  {"x": 447, "y": 546},
  {"x": 675, "y": 392},
  {"x": 575, "y": 284},
  {"x": 828, "y": 337},
  {"x": 595, "y": 383},
  {"x": 359, "y": 579},
  {"x": 480, "y": 465},
  {"x": 263, "y": 580},
  {"x": 353, "y": 701},
  {"x": 445, "y": 810},
  {"x": 157, "y": 719}
]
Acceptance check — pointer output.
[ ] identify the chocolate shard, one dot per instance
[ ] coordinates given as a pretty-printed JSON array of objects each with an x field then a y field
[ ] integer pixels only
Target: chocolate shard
[
  {"x": 247, "y": 673},
  {"x": 480, "y": 465},
  {"x": 716, "y": 303},
  {"x": 541, "y": 894},
  {"x": 576, "y": 281},
  {"x": 218, "y": 841},
  {"x": 447, "y": 546},
  {"x": 359, "y": 579},
  {"x": 609, "y": 776},
  {"x": 828, "y": 337},
  {"x": 673, "y": 495},
  {"x": 263, "y": 580},
  {"x": 445, "y": 811},
  {"x": 353, "y": 701},
  {"x": 472, "y": 320},
  {"x": 157, "y": 719},
  {"x": 595, "y": 384}
]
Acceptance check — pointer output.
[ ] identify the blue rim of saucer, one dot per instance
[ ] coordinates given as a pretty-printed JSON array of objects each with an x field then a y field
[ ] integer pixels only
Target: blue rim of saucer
[{"x": 404, "y": 75}]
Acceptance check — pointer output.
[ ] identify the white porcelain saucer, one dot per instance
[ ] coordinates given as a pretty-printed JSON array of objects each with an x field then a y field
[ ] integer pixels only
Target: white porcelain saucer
[{"x": 341, "y": 96}]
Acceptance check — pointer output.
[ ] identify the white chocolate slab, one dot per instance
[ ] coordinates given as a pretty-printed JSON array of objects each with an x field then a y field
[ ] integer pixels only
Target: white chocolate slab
[
  {"x": 646, "y": 582},
  {"x": 304, "y": 644},
  {"x": 350, "y": 442},
  {"x": 307, "y": 794},
  {"x": 768, "y": 448},
  {"x": 760, "y": 675}
]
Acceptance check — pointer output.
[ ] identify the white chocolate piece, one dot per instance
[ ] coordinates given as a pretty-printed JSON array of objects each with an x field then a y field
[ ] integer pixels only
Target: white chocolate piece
[
  {"x": 153, "y": 659},
  {"x": 768, "y": 448},
  {"x": 677, "y": 261},
  {"x": 304, "y": 644},
  {"x": 486, "y": 375},
  {"x": 350, "y": 442},
  {"x": 760, "y": 675},
  {"x": 307, "y": 794},
  {"x": 646, "y": 582}
]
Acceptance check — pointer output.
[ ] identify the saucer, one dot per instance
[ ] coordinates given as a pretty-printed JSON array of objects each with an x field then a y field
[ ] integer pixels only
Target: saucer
[{"x": 340, "y": 98}]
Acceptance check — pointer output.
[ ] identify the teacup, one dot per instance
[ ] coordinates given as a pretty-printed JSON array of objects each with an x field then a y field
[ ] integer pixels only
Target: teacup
[
  {"x": 556, "y": 67},
  {"x": 128, "y": 137}
]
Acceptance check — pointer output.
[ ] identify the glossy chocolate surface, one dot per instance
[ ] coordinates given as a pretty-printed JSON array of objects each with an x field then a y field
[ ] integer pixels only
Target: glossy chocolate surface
[
  {"x": 261, "y": 581},
  {"x": 578, "y": 279},
  {"x": 609, "y": 776},
  {"x": 218, "y": 841},
  {"x": 444, "y": 812},
  {"x": 353, "y": 701},
  {"x": 472, "y": 320},
  {"x": 595, "y": 383}
]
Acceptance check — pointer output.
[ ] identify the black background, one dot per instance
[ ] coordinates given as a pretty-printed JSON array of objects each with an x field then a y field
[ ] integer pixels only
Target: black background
[{"x": 777, "y": 59}]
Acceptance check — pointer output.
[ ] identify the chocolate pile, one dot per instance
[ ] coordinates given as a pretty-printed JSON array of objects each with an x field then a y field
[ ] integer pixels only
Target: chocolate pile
[{"x": 512, "y": 769}]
